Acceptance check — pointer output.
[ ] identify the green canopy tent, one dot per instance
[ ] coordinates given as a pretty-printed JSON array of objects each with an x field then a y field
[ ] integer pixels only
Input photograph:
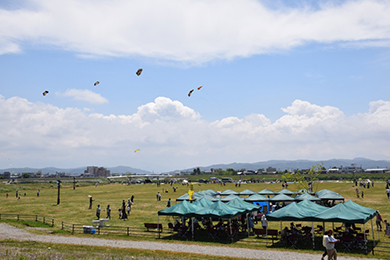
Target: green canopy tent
[
  {"x": 203, "y": 202},
  {"x": 306, "y": 196},
  {"x": 231, "y": 197},
  {"x": 302, "y": 211},
  {"x": 329, "y": 195},
  {"x": 181, "y": 209},
  {"x": 209, "y": 197},
  {"x": 239, "y": 203},
  {"x": 356, "y": 207},
  {"x": 259, "y": 200},
  {"x": 247, "y": 192},
  {"x": 229, "y": 192},
  {"x": 256, "y": 197},
  {"x": 186, "y": 197},
  {"x": 266, "y": 192},
  {"x": 286, "y": 192}
]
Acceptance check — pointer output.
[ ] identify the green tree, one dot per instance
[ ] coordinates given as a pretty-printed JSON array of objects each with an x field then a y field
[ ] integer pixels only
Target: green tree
[
  {"x": 26, "y": 175},
  {"x": 303, "y": 180}
]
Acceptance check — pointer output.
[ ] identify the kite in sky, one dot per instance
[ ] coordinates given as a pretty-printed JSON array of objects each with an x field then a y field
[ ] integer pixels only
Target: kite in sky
[
  {"x": 139, "y": 71},
  {"x": 200, "y": 87},
  {"x": 189, "y": 94},
  {"x": 136, "y": 150},
  {"x": 45, "y": 93},
  {"x": 96, "y": 83}
]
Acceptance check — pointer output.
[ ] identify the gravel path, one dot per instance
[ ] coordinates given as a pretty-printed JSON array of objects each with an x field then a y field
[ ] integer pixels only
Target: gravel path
[{"x": 9, "y": 232}]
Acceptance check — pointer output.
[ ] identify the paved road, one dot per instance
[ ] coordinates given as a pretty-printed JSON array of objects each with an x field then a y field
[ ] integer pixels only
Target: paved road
[{"x": 9, "y": 232}]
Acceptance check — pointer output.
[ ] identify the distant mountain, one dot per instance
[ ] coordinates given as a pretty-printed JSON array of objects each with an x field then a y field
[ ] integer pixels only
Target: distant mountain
[{"x": 280, "y": 165}]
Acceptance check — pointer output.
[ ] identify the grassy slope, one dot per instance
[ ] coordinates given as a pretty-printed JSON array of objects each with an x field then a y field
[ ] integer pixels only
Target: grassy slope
[{"x": 74, "y": 203}]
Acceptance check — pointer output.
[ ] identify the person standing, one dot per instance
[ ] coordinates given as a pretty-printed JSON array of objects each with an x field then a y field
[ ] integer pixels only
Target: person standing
[
  {"x": 388, "y": 192},
  {"x": 98, "y": 212},
  {"x": 379, "y": 221},
  {"x": 169, "y": 203},
  {"x": 90, "y": 201},
  {"x": 264, "y": 222},
  {"x": 37, "y": 193},
  {"x": 329, "y": 243},
  {"x": 108, "y": 212}
]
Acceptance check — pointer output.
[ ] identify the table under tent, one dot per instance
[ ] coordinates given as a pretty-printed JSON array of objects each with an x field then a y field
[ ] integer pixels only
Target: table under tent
[
  {"x": 348, "y": 213},
  {"x": 207, "y": 210}
]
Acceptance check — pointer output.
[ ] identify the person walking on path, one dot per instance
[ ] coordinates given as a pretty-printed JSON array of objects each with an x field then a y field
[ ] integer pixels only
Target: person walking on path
[
  {"x": 329, "y": 243},
  {"x": 324, "y": 244}
]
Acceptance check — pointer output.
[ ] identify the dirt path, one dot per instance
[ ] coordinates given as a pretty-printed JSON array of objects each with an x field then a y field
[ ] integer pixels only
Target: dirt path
[{"x": 9, "y": 232}]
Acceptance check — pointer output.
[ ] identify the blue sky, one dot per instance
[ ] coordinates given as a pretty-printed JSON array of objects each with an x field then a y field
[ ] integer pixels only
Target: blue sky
[{"x": 308, "y": 80}]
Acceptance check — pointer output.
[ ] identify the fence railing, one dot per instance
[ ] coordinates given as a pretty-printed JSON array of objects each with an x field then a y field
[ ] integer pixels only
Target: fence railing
[
  {"x": 26, "y": 217},
  {"x": 117, "y": 230}
]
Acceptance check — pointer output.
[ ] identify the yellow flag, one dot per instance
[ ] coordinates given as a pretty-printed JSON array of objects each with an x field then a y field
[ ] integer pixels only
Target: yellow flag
[{"x": 191, "y": 195}]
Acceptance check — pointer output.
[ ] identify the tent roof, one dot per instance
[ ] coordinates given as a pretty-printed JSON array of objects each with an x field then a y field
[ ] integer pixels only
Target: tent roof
[
  {"x": 231, "y": 197},
  {"x": 239, "y": 203},
  {"x": 342, "y": 213},
  {"x": 229, "y": 192},
  {"x": 285, "y": 191},
  {"x": 329, "y": 195},
  {"x": 306, "y": 197},
  {"x": 266, "y": 192},
  {"x": 218, "y": 209},
  {"x": 247, "y": 192},
  {"x": 281, "y": 197},
  {"x": 256, "y": 197},
  {"x": 202, "y": 202},
  {"x": 181, "y": 209},
  {"x": 312, "y": 206},
  {"x": 294, "y": 212},
  {"x": 354, "y": 206}
]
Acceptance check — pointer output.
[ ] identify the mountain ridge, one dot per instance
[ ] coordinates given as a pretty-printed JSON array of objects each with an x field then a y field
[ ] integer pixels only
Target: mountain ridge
[{"x": 280, "y": 165}]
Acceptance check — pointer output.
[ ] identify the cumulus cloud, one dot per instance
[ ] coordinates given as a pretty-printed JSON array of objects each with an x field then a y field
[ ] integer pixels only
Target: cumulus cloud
[
  {"x": 173, "y": 136},
  {"x": 190, "y": 30},
  {"x": 84, "y": 95}
]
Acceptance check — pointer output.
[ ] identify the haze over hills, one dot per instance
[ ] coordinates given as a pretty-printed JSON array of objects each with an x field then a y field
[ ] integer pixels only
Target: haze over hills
[{"x": 280, "y": 165}]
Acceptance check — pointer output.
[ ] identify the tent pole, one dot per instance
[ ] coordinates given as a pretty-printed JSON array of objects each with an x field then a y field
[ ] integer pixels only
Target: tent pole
[
  {"x": 192, "y": 227},
  {"x": 247, "y": 225},
  {"x": 231, "y": 233},
  {"x": 158, "y": 221},
  {"x": 373, "y": 238},
  {"x": 312, "y": 235}
]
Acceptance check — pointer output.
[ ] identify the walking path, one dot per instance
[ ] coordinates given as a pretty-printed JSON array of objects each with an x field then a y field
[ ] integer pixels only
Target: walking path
[{"x": 9, "y": 232}]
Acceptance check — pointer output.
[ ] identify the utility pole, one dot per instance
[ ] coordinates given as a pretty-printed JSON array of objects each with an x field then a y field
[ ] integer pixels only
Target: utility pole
[{"x": 58, "y": 197}]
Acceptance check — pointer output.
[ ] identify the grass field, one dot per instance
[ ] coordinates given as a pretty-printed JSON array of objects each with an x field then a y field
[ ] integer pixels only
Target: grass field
[{"x": 73, "y": 207}]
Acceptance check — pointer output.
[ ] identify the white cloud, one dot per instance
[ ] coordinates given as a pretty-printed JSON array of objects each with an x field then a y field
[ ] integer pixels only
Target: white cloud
[
  {"x": 173, "y": 136},
  {"x": 84, "y": 95},
  {"x": 189, "y": 30}
]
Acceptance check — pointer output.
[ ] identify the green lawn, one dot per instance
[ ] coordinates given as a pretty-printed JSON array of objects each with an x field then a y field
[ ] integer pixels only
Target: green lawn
[{"x": 73, "y": 207}]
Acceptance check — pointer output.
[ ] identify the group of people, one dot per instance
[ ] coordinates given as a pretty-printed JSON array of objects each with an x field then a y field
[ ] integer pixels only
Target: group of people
[{"x": 123, "y": 211}]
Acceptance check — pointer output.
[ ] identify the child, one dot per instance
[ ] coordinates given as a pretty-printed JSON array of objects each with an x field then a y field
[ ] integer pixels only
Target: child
[{"x": 120, "y": 213}]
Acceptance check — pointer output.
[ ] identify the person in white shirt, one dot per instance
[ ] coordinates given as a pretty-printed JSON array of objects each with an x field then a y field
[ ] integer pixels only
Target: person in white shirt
[{"x": 329, "y": 242}]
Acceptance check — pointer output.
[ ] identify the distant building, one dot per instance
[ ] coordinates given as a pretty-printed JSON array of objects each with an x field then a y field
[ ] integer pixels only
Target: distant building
[
  {"x": 377, "y": 170},
  {"x": 7, "y": 175},
  {"x": 348, "y": 169},
  {"x": 216, "y": 170},
  {"x": 97, "y": 171},
  {"x": 270, "y": 170}
]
